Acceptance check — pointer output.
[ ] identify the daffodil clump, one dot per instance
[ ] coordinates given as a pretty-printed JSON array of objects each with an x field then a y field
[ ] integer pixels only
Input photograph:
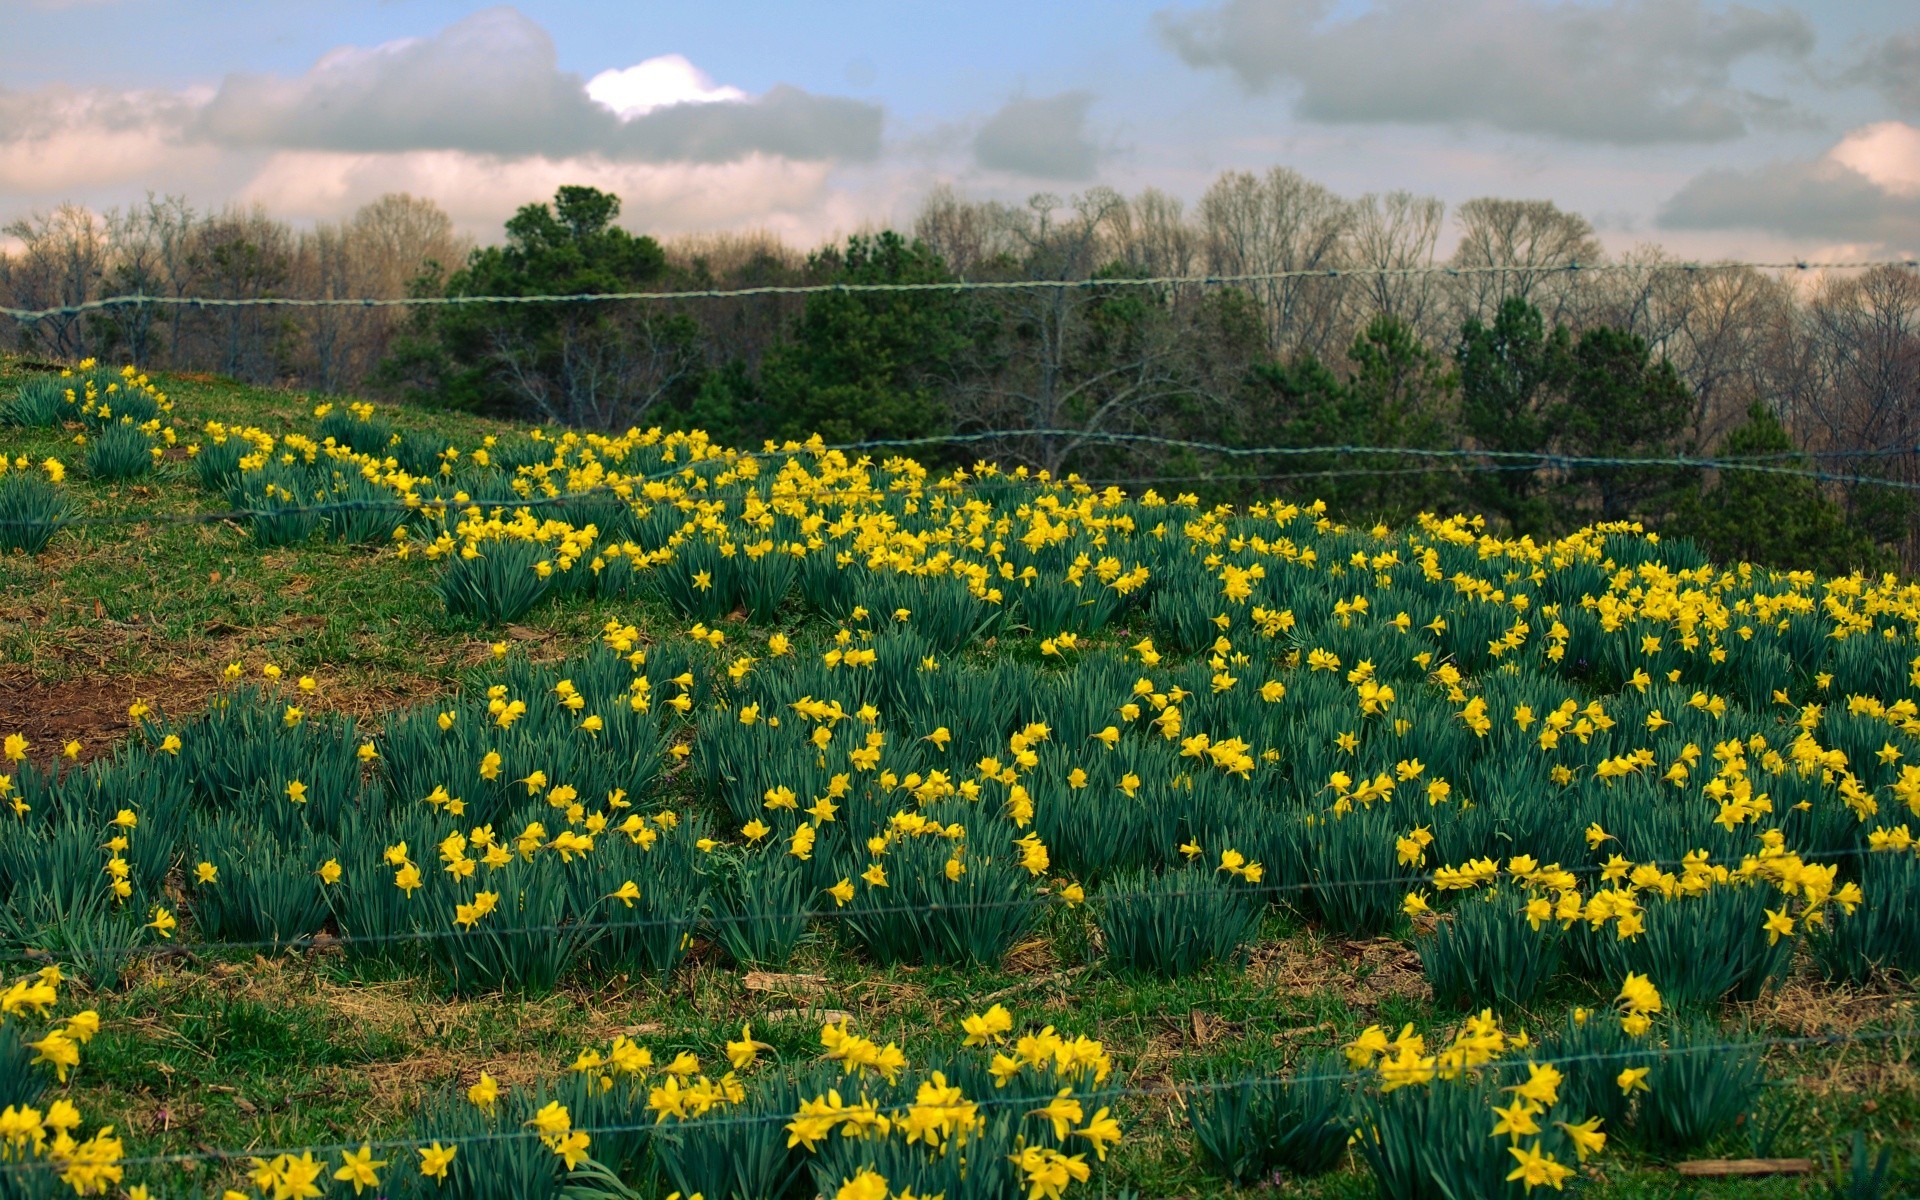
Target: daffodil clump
[
  {"x": 1627, "y": 918},
  {"x": 32, "y": 503},
  {"x": 1475, "y": 1117},
  {"x": 1006, "y": 1112},
  {"x": 38, "y": 1142},
  {"x": 101, "y": 396}
]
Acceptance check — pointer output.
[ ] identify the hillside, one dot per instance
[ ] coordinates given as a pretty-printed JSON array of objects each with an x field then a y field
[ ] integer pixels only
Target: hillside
[{"x": 635, "y": 814}]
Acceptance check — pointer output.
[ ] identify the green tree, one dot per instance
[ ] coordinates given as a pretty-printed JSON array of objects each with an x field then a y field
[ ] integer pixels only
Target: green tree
[
  {"x": 1784, "y": 521},
  {"x": 859, "y": 366},
  {"x": 599, "y": 365},
  {"x": 1399, "y": 395},
  {"x": 1622, "y": 403},
  {"x": 1511, "y": 373},
  {"x": 1402, "y": 395}
]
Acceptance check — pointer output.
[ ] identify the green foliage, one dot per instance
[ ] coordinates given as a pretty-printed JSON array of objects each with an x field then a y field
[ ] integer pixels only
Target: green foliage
[
  {"x": 360, "y": 512},
  {"x": 761, "y": 908},
  {"x": 1621, "y": 402},
  {"x": 1398, "y": 394},
  {"x": 1174, "y": 923},
  {"x": 525, "y": 944},
  {"x": 1783, "y": 521},
  {"x": 217, "y": 463},
  {"x": 362, "y": 435},
  {"x": 598, "y": 365},
  {"x": 21, "y": 1083},
  {"x": 1248, "y": 1128},
  {"x": 1509, "y": 373},
  {"x": 87, "y": 930},
  {"x": 498, "y": 1159},
  {"x": 1882, "y": 937},
  {"x": 1865, "y": 1177},
  {"x": 500, "y": 583},
  {"x": 860, "y": 366},
  {"x": 280, "y": 500},
  {"x": 1430, "y": 1142},
  {"x": 1483, "y": 952},
  {"x": 1698, "y": 949},
  {"x": 738, "y": 1153},
  {"x": 268, "y": 891},
  {"x": 120, "y": 451},
  {"x": 922, "y": 916},
  {"x": 41, "y": 402},
  {"x": 1699, "y": 1088},
  {"x": 32, "y": 510}
]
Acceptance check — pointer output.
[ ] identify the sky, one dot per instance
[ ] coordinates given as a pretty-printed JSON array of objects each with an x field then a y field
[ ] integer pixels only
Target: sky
[{"x": 1713, "y": 129}]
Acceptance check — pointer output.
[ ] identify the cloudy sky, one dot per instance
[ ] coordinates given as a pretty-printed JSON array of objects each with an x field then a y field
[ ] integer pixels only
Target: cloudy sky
[{"x": 1716, "y": 129}]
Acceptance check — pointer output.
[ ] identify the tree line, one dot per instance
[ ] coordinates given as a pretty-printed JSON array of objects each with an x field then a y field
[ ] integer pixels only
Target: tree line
[{"x": 1515, "y": 356}]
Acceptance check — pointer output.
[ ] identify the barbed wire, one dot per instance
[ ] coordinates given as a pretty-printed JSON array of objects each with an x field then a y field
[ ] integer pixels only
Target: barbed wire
[
  {"x": 30, "y": 315},
  {"x": 1444, "y": 458},
  {"x": 696, "y": 918},
  {"x": 1095, "y": 1096}
]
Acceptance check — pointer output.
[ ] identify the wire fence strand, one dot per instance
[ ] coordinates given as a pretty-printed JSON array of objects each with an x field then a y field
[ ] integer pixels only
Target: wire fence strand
[
  {"x": 1470, "y": 460},
  {"x": 696, "y": 919},
  {"x": 1100, "y": 1094},
  {"x": 31, "y": 315}
]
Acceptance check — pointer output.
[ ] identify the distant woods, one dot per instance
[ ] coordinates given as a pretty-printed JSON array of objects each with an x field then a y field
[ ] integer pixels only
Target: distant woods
[{"x": 1534, "y": 363}]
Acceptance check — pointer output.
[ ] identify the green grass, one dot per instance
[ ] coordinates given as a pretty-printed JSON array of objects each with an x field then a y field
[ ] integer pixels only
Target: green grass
[{"x": 197, "y": 1054}]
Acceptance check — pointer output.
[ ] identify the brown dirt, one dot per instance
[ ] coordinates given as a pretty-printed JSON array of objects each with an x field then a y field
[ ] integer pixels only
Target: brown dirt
[
  {"x": 51, "y": 714},
  {"x": 1361, "y": 973}
]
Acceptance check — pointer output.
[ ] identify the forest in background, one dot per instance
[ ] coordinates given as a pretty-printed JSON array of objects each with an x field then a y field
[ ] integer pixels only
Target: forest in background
[{"x": 1517, "y": 356}]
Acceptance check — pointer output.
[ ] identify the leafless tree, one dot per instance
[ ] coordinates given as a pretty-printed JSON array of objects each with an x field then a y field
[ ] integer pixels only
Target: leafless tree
[
  {"x": 1279, "y": 222},
  {"x": 1398, "y": 232},
  {"x": 1529, "y": 242},
  {"x": 62, "y": 262}
]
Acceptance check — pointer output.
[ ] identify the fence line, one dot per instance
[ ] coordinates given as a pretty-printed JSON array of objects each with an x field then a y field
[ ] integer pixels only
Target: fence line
[
  {"x": 1095, "y": 1097},
  {"x": 694, "y": 919},
  {"x": 30, "y": 315},
  {"x": 1453, "y": 459}
]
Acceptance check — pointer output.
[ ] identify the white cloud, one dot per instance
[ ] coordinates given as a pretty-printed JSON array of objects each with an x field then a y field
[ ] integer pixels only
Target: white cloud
[
  {"x": 1865, "y": 191},
  {"x": 1042, "y": 137},
  {"x": 1618, "y": 71},
  {"x": 491, "y": 84},
  {"x": 481, "y": 191},
  {"x": 660, "y": 81},
  {"x": 477, "y": 116},
  {"x": 1888, "y": 154}
]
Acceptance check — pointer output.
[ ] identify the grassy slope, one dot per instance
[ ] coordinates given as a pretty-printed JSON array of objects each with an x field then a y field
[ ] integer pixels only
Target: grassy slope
[{"x": 250, "y": 1052}]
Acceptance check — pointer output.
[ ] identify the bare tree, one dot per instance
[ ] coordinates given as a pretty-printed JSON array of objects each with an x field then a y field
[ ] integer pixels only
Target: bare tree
[
  {"x": 971, "y": 236},
  {"x": 1721, "y": 345},
  {"x": 1280, "y": 222},
  {"x": 1530, "y": 242},
  {"x": 1073, "y": 361},
  {"x": 1398, "y": 232},
  {"x": 62, "y": 262},
  {"x": 243, "y": 254},
  {"x": 1152, "y": 234}
]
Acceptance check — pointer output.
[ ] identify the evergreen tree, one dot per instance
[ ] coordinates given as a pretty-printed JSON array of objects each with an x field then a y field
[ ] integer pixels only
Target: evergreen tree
[
  {"x": 1511, "y": 374},
  {"x": 859, "y": 366},
  {"x": 1620, "y": 403},
  {"x": 1783, "y": 521},
  {"x": 598, "y": 365}
]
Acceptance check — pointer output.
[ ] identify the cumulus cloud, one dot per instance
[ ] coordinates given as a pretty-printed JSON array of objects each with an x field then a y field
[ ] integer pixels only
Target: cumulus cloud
[
  {"x": 1893, "y": 67},
  {"x": 490, "y": 84},
  {"x": 1043, "y": 136},
  {"x": 58, "y": 139},
  {"x": 481, "y": 191},
  {"x": 656, "y": 83},
  {"x": 1623, "y": 71},
  {"x": 1865, "y": 190}
]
